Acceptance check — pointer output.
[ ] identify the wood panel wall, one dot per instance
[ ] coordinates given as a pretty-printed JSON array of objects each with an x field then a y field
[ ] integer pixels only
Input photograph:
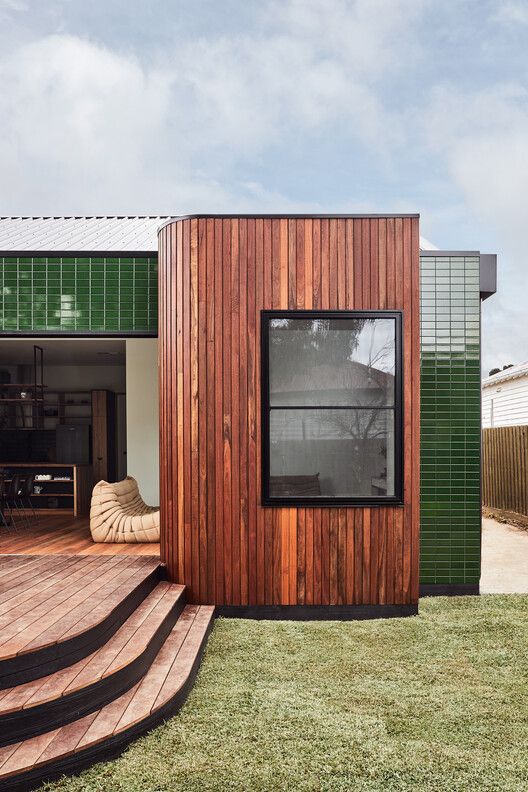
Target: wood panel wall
[
  {"x": 215, "y": 276},
  {"x": 505, "y": 468},
  {"x": 103, "y": 435}
]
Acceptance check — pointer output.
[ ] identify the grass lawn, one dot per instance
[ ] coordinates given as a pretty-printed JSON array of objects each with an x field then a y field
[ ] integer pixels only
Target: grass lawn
[{"x": 434, "y": 702}]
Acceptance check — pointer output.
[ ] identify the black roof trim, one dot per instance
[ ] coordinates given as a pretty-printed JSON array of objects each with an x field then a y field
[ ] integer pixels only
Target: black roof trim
[
  {"x": 78, "y": 253},
  {"x": 294, "y": 216},
  {"x": 449, "y": 252},
  {"x": 43, "y": 334}
]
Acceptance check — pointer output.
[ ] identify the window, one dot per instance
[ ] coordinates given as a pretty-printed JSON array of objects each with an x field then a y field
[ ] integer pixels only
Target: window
[{"x": 331, "y": 408}]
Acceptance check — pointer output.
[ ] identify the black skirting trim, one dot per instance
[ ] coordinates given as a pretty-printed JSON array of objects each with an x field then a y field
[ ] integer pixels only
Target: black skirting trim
[
  {"x": 449, "y": 589},
  {"x": 315, "y": 612},
  {"x": 107, "y": 749}
]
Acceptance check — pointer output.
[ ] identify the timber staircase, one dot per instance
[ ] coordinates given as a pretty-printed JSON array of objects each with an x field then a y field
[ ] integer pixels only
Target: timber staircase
[{"x": 94, "y": 651}]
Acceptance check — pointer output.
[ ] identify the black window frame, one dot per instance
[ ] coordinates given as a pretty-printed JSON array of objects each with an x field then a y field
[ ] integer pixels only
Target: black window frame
[{"x": 316, "y": 501}]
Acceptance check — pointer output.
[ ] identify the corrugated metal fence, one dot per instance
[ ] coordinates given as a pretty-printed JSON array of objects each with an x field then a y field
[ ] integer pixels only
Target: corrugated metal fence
[{"x": 505, "y": 468}]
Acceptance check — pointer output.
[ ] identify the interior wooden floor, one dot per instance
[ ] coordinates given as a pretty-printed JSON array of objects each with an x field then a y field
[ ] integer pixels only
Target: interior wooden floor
[{"x": 57, "y": 534}]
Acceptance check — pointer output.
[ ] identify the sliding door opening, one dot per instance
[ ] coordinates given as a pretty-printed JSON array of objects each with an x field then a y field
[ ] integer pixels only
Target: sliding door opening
[{"x": 73, "y": 412}]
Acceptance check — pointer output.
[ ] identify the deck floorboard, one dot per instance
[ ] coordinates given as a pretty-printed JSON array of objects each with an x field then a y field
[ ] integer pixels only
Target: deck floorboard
[
  {"x": 122, "y": 649},
  {"x": 57, "y": 534},
  {"x": 71, "y": 597},
  {"x": 149, "y": 640}
]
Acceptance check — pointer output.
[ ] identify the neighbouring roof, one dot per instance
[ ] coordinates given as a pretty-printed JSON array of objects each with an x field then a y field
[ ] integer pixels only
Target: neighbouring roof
[
  {"x": 520, "y": 370},
  {"x": 333, "y": 384},
  {"x": 122, "y": 234}
]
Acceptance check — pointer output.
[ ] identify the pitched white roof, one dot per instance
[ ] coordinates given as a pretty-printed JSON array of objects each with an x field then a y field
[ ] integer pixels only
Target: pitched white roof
[
  {"x": 119, "y": 234},
  {"x": 90, "y": 234},
  {"x": 520, "y": 370}
]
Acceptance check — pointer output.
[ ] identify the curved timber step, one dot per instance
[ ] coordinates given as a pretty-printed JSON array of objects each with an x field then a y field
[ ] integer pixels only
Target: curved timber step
[
  {"x": 90, "y": 683},
  {"x": 103, "y": 734},
  {"x": 56, "y": 610}
]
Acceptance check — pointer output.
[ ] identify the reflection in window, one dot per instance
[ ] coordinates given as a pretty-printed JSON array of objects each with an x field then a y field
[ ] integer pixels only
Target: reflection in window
[{"x": 330, "y": 410}]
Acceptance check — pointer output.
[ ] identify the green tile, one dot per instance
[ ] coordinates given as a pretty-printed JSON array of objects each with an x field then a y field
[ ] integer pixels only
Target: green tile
[
  {"x": 109, "y": 293},
  {"x": 450, "y": 420}
]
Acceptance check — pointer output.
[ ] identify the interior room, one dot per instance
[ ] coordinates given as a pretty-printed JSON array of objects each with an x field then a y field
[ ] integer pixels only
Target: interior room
[{"x": 74, "y": 412}]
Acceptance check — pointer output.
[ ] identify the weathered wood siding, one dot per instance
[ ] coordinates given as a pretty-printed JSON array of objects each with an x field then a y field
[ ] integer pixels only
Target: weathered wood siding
[
  {"x": 505, "y": 468},
  {"x": 215, "y": 276}
]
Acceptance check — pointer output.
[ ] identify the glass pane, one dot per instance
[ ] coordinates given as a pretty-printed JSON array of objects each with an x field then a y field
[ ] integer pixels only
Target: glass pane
[
  {"x": 332, "y": 362},
  {"x": 334, "y": 453}
]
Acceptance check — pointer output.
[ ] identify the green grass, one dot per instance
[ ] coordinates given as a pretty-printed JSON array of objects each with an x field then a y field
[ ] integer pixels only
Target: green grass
[{"x": 438, "y": 702}]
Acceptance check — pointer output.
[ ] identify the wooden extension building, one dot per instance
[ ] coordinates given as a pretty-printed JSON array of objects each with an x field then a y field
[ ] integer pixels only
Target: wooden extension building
[{"x": 289, "y": 351}]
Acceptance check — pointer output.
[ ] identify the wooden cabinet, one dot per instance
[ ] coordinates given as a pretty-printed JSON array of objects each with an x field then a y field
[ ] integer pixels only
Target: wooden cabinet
[
  {"x": 67, "y": 488},
  {"x": 103, "y": 435}
]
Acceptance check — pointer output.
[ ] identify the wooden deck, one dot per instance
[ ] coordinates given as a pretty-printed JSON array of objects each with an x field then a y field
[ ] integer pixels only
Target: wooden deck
[
  {"x": 51, "y": 600},
  {"x": 94, "y": 651},
  {"x": 57, "y": 534},
  {"x": 102, "y": 734}
]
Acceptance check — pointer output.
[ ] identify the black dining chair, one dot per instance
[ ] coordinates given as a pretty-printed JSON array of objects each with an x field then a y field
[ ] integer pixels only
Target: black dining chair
[
  {"x": 3, "y": 504},
  {"x": 12, "y": 497},
  {"x": 25, "y": 493}
]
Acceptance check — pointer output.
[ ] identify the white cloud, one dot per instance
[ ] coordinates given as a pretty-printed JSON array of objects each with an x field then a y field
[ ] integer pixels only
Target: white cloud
[
  {"x": 483, "y": 139},
  {"x": 89, "y": 129},
  {"x": 77, "y": 123},
  {"x": 9, "y": 6},
  {"x": 367, "y": 37},
  {"x": 92, "y": 129},
  {"x": 312, "y": 64},
  {"x": 511, "y": 12}
]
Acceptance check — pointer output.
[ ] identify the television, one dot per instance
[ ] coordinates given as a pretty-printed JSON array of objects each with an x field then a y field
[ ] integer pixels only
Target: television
[{"x": 27, "y": 445}]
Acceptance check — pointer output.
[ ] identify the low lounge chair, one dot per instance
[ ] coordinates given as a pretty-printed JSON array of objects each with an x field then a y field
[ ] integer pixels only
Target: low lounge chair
[{"x": 119, "y": 514}]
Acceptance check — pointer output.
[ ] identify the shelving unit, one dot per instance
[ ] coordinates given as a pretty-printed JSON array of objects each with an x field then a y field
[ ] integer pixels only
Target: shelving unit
[
  {"x": 42, "y": 407},
  {"x": 69, "y": 406},
  {"x": 57, "y": 406},
  {"x": 64, "y": 496},
  {"x": 11, "y": 396}
]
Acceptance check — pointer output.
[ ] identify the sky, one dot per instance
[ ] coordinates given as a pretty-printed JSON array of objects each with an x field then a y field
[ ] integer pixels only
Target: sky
[{"x": 169, "y": 106}]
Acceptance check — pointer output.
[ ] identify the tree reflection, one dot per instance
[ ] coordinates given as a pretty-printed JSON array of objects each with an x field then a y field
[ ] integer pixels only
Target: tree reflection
[{"x": 332, "y": 361}]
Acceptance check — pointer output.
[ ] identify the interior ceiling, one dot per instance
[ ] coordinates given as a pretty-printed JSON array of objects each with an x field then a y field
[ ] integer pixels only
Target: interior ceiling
[{"x": 64, "y": 351}]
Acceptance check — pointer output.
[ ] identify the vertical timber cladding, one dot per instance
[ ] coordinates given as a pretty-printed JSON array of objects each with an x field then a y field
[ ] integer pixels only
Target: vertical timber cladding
[{"x": 216, "y": 274}]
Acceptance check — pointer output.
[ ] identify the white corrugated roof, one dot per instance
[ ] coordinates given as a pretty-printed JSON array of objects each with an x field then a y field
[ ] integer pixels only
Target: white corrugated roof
[
  {"x": 119, "y": 234},
  {"x": 520, "y": 370},
  {"x": 89, "y": 234},
  {"x": 426, "y": 245}
]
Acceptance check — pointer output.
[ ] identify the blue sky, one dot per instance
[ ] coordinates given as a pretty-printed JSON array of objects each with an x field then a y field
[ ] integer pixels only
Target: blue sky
[{"x": 320, "y": 105}]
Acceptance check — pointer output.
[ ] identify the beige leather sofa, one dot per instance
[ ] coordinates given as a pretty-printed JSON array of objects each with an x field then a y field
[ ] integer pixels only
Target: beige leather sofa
[{"x": 119, "y": 514}]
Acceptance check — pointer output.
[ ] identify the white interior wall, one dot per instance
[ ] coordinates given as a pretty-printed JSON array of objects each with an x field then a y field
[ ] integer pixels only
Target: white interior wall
[
  {"x": 79, "y": 377},
  {"x": 142, "y": 415}
]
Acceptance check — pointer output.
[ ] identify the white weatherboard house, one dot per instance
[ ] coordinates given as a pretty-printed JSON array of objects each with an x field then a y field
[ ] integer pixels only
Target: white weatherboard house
[{"x": 505, "y": 397}]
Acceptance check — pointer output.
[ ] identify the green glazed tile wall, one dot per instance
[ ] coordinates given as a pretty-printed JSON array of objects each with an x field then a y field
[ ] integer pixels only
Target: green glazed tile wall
[
  {"x": 450, "y": 420},
  {"x": 79, "y": 295}
]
